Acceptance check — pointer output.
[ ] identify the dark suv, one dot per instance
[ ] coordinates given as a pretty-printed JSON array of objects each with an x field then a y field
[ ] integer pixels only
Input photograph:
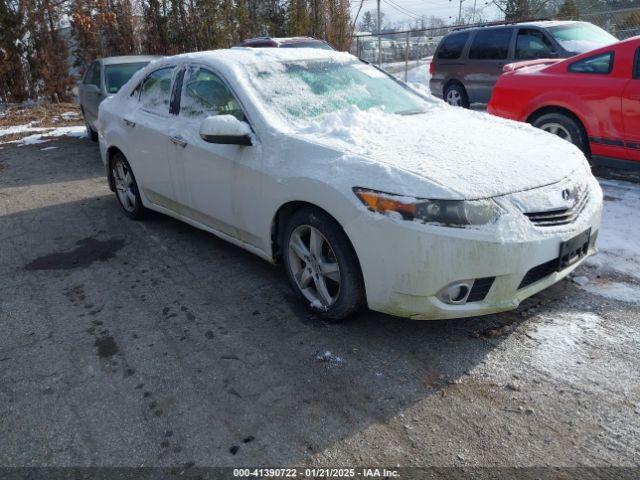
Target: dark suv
[{"x": 468, "y": 62}]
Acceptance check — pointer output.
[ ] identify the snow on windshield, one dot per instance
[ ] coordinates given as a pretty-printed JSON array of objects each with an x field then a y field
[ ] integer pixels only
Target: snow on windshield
[
  {"x": 308, "y": 89},
  {"x": 581, "y": 37}
]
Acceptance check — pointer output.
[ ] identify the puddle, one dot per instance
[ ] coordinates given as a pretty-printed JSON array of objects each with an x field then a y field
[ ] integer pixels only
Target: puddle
[{"x": 88, "y": 250}]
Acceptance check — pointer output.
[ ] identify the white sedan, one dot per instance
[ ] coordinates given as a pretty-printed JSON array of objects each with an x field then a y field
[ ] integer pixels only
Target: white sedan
[{"x": 370, "y": 193}]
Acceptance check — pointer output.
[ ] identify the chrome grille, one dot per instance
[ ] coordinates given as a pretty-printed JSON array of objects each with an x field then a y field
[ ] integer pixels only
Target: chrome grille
[{"x": 564, "y": 216}]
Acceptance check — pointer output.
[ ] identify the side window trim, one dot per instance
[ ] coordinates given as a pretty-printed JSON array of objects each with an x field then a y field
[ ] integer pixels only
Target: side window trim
[
  {"x": 612, "y": 57},
  {"x": 176, "y": 91}
]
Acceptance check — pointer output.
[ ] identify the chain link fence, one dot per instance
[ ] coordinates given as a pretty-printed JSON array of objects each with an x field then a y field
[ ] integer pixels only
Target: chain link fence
[{"x": 407, "y": 54}]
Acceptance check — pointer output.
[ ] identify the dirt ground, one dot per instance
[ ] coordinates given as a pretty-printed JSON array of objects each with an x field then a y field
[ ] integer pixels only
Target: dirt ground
[
  {"x": 152, "y": 343},
  {"x": 36, "y": 118}
]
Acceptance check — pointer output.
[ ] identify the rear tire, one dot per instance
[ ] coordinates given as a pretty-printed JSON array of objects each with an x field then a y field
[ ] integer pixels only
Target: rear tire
[
  {"x": 321, "y": 265},
  {"x": 456, "y": 95},
  {"x": 126, "y": 187},
  {"x": 91, "y": 133},
  {"x": 563, "y": 126}
]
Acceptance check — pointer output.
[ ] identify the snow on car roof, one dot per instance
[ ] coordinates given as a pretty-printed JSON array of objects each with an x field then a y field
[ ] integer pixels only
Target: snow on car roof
[
  {"x": 247, "y": 55},
  {"x": 128, "y": 59}
]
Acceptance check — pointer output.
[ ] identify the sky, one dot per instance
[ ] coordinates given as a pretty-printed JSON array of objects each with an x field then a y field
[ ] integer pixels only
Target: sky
[{"x": 397, "y": 11}]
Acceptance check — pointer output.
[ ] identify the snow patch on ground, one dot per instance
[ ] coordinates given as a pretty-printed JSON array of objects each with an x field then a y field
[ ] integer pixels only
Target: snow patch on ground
[
  {"x": 564, "y": 342},
  {"x": 419, "y": 75},
  {"x": 624, "y": 292},
  {"x": 618, "y": 242},
  {"x": 619, "y": 237},
  {"x": 329, "y": 358},
  {"x": 49, "y": 134},
  {"x": 27, "y": 127},
  {"x": 70, "y": 115}
]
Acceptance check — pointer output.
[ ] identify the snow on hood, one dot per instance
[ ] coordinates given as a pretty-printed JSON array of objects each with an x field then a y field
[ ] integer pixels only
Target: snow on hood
[{"x": 470, "y": 153}]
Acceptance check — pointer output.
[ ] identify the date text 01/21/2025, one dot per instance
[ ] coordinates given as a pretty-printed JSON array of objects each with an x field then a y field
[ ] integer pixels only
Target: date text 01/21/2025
[{"x": 314, "y": 473}]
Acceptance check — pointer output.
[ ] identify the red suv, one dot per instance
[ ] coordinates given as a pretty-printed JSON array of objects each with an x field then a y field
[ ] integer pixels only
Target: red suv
[{"x": 591, "y": 100}]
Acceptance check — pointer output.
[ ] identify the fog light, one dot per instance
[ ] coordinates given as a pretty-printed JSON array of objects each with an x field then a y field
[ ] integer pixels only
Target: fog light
[{"x": 456, "y": 293}]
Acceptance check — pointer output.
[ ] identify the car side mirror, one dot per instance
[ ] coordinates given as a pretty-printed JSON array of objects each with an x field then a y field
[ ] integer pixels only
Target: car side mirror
[
  {"x": 91, "y": 88},
  {"x": 226, "y": 130}
]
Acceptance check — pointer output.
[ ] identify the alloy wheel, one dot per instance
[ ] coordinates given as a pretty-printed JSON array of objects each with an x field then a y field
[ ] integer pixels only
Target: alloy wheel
[
  {"x": 454, "y": 98},
  {"x": 124, "y": 185},
  {"x": 557, "y": 129},
  {"x": 314, "y": 266}
]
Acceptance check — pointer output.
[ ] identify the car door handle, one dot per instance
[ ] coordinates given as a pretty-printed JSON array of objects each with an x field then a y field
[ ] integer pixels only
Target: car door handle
[
  {"x": 177, "y": 140},
  {"x": 129, "y": 123}
]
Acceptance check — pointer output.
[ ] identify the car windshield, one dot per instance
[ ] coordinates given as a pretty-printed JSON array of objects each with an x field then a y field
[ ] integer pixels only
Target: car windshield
[
  {"x": 117, "y": 75},
  {"x": 307, "y": 89},
  {"x": 581, "y": 37}
]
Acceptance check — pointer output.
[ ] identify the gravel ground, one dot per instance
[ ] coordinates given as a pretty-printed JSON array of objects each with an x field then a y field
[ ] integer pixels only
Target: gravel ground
[{"x": 152, "y": 343}]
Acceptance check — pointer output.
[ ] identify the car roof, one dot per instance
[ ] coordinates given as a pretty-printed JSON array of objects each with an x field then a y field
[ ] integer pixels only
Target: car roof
[
  {"x": 532, "y": 23},
  {"x": 128, "y": 59}
]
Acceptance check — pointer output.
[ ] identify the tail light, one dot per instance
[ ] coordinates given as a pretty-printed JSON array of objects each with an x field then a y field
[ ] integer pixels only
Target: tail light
[{"x": 432, "y": 68}]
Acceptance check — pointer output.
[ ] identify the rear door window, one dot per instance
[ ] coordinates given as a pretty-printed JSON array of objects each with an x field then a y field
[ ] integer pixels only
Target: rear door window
[
  {"x": 452, "y": 46},
  {"x": 93, "y": 75},
  {"x": 156, "y": 90},
  {"x": 491, "y": 44},
  {"x": 636, "y": 67},
  {"x": 599, "y": 64},
  {"x": 532, "y": 44}
]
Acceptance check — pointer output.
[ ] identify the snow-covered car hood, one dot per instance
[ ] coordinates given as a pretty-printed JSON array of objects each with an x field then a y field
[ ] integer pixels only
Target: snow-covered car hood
[{"x": 472, "y": 155}]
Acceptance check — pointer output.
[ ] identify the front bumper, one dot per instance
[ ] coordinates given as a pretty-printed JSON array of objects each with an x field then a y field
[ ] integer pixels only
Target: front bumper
[{"x": 406, "y": 264}]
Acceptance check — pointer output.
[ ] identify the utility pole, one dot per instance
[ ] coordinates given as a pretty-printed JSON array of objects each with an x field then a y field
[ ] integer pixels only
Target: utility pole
[
  {"x": 459, "y": 21},
  {"x": 379, "y": 39}
]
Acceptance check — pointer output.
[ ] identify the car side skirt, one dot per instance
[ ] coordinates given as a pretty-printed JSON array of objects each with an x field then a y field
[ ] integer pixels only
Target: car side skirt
[{"x": 610, "y": 162}]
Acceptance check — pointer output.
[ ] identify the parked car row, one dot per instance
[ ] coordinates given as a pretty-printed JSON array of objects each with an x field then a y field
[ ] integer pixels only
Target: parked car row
[
  {"x": 591, "y": 100},
  {"x": 571, "y": 79},
  {"x": 369, "y": 193},
  {"x": 468, "y": 62}
]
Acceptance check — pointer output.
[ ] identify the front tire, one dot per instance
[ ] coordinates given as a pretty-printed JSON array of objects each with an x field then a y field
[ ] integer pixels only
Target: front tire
[
  {"x": 321, "y": 265},
  {"x": 456, "y": 95},
  {"x": 126, "y": 187},
  {"x": 564, "y": 127}
]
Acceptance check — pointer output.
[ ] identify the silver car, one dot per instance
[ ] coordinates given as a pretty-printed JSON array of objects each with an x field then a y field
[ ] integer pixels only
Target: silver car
[{"x": 104, "y": 77}]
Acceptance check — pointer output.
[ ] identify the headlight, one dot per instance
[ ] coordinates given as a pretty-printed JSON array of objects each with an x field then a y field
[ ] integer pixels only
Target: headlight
[{"x": 448, "y": 212}]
